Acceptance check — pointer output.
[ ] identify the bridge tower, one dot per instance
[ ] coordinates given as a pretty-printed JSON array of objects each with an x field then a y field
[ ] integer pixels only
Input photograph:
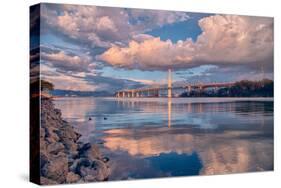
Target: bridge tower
[{"x": 169, "y": 83}]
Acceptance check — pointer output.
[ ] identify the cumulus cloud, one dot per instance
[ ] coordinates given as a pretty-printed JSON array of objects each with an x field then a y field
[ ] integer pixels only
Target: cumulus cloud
[
  {"x": 225, "y": 39},
  {"x": 95, "y": 37},
  {"x": 149, "y": 54},
  {"x": 103, "y": 26},
  {"x": 220, "y": 153}
]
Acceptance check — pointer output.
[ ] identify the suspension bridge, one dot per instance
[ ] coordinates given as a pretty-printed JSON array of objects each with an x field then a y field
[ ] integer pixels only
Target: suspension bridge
[{"x": 155, "y": 91}]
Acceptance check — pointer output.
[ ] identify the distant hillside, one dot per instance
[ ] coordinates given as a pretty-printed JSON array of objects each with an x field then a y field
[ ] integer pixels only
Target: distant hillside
[{"x": 70, "y": 93}]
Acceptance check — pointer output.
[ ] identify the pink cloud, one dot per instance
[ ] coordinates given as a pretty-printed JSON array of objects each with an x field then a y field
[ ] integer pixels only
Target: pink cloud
[
  {"x": 225, "y": 39},
  {"x": 67, "y": 62}
]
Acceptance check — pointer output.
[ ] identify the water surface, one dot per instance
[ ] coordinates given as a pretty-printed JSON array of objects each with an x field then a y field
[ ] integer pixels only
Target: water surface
[{"x": 157, "y": 137}]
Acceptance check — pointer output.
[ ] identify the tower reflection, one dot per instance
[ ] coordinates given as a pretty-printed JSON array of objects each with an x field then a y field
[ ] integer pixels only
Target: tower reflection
[{"x": 169, "y": 111}]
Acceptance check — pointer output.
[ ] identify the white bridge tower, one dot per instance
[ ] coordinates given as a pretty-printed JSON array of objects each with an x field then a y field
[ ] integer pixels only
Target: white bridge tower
[{"x": 169, "y": 83}]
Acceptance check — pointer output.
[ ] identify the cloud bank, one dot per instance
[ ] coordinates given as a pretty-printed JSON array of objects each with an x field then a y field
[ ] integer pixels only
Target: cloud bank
[
  {"x": 80, "y": 42},
  {"x": 225, "y": 39},
  {"x": 104, "y": 26}
]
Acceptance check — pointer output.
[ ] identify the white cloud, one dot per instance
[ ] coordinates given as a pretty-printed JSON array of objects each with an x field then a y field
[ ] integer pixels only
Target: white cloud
[
  {"x": 143, "y": 81},
  {"x": 103, "y": 26},
  {"x": 225, "y": 39},
  {"x": 105, "y": 23}
]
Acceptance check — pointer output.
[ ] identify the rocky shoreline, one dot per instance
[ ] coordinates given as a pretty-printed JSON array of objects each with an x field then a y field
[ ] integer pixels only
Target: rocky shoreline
[{"x": 62, "y": 158}]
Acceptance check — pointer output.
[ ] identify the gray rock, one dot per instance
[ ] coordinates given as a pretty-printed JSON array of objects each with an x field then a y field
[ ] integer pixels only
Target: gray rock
[
  {"x": 55, "y": 148},
  {"x": 93, "y": 153},
  {"x": 62, "y": 158},
  {"x": 98, "y": 170},
  {"x": 77, "y": 164}
]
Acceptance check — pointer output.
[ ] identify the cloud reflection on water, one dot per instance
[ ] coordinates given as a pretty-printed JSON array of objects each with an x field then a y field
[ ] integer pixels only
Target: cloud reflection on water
[
  {"x": 227, "y": 135},
  {"x": 228, "y": 152}
]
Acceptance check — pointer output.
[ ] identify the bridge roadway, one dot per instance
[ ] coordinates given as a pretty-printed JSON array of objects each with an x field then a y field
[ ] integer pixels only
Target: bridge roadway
[{"x": 154, "y": 91}]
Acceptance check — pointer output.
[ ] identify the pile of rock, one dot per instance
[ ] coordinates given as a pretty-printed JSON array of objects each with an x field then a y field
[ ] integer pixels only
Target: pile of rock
[{"x": 62, "y": 158}]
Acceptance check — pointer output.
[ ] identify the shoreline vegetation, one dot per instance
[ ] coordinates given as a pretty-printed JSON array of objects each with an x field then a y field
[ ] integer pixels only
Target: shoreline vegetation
[
  {"x": 63, "y": 159},
  {"x": 243, "y": 88}
]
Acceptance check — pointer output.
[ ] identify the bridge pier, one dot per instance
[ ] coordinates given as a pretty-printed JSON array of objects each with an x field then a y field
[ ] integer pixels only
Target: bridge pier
[
  {"x": 189, "y": 90},
  {"x": 200, "y": 90},
  {"x": 157, "y": 93}
]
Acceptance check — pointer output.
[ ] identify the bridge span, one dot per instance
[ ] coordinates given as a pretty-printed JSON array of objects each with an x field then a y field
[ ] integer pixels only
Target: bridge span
[{"x": 155, "y": 91}]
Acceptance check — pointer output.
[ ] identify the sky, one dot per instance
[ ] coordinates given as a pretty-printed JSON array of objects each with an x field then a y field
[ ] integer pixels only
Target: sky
[{"x": 89, "y": 48}]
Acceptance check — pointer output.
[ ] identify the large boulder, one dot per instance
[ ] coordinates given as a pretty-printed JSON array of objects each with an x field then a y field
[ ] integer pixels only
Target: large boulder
[
  {"x": 90, "y": 170},
  {"x": 90, "y": 151},
  {"x": 98, "y": 171},
  {"x": 57, "y": 168}
]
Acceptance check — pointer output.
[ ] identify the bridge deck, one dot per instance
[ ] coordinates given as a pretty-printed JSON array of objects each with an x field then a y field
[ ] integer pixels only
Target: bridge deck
[{"x": 201, "y": 86}]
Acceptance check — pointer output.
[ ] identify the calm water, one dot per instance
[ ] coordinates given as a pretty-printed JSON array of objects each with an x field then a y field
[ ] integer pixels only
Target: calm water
[{"x": 157, "y": 137}]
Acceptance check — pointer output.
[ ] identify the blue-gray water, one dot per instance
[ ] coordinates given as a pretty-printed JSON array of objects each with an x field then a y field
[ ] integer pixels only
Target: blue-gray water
[{"x": 157, "y": 137}]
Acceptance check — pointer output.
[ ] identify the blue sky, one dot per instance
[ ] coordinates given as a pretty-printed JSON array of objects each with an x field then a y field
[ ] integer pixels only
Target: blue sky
[
  {"x": 180, "y": 30},
  {"x": 139, "y": 46}
]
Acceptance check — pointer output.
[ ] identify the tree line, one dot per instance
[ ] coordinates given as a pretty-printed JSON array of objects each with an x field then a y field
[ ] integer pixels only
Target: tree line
[{"x": 243, "y": 88}]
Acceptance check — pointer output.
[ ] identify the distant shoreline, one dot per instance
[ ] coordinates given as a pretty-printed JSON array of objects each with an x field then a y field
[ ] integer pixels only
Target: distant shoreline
[{"x": 58, "y": 97}]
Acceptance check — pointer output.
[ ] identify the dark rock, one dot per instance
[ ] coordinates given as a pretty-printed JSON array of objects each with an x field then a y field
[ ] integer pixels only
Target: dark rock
[
  {"x": 43, "y": 160},
  {"x": 77, "y": 164},
  {"x": 57, "y": 112},
  {"x": 100, "y": 143},
  {"x": 105, "y": 159},
  {"x": 84, "y": 147}
]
